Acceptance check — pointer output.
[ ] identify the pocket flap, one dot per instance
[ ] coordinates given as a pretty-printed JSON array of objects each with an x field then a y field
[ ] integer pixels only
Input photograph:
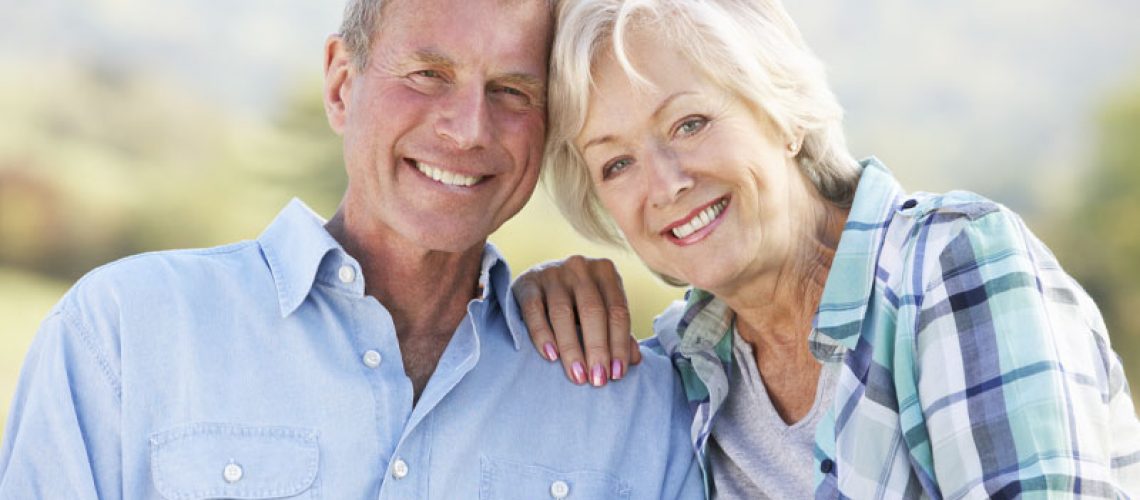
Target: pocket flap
[
  {"x": 506, "y": 480},
  {"x": 208, "y": 460}
]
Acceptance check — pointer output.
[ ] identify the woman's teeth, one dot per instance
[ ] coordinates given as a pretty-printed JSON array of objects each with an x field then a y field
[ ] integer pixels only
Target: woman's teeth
[
  {"x": 700, "y": 220},
  {"x": 445, "y": 177}
]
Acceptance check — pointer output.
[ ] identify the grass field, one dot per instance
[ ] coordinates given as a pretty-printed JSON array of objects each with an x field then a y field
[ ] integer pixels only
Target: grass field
[{"x": 24, "y": 301}]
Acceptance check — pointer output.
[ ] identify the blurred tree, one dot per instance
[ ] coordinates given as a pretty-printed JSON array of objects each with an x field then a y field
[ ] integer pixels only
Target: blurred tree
[
  {"x": 315, "y": 167},
  {"x": 1101, "y": 247}
]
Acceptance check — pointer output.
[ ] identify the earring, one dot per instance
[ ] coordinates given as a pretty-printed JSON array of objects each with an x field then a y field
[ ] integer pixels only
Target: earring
[{"x": 793, "y": 147}]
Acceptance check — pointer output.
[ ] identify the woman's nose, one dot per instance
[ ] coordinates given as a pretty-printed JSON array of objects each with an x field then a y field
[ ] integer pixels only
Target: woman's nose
[{"x": 669, "y": 179}]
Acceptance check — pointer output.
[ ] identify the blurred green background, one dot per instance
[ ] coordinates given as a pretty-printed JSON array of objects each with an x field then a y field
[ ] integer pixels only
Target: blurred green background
[{"x": 128, "y": 126}]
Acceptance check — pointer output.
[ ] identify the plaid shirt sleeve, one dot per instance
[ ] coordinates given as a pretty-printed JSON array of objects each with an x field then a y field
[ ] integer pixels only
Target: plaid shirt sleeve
[{"x": 1018, "y": 387}]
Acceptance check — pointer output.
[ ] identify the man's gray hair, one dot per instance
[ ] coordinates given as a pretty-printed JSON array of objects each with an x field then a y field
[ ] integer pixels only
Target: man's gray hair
[{"x": 362, "y": 19}]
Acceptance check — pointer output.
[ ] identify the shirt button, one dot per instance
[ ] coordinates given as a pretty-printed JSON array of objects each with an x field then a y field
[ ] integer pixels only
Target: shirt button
[
  {"x": 346, "y": 274},
  {"x": 372, "y": 359},
  {"x": 826, "y": 466},
  {"x": 559, "y": 489},
  {"x": 399, "y": 469},
  {"x": 232, "y": 473}
]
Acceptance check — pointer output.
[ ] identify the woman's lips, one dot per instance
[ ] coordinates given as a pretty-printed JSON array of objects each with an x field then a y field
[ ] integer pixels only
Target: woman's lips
[{"x": 698, "y": 224}]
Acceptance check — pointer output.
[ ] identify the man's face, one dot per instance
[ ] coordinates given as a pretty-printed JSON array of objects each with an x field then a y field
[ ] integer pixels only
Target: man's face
[{"x": 443, "y": 128}]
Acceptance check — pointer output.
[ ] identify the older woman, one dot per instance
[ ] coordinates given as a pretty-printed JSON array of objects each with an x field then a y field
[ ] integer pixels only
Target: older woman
[{"x": 841, "y": 337}]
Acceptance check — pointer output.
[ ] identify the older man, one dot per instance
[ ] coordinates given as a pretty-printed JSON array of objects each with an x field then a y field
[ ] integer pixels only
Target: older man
[{"x": 375, "y": 356}]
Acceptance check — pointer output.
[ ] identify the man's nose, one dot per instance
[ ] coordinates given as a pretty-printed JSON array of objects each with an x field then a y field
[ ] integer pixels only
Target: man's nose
[
  {"x": 669, "y": 179},
  {"x": 465, "y": 119}
]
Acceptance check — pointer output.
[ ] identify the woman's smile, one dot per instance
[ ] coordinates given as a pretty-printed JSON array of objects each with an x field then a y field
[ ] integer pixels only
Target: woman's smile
[{"x": 698, "y": 224}]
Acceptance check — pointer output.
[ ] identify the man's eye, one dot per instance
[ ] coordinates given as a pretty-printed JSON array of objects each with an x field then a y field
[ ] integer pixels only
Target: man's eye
[
  {"x": 512, "y": 96},
  {"x": 428, "y": 73}
]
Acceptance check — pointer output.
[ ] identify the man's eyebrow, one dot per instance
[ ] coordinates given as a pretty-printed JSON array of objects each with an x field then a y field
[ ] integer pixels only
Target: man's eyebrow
[
  {"x": 433, "y": 58},
  {"x": 660, "y": 107}
]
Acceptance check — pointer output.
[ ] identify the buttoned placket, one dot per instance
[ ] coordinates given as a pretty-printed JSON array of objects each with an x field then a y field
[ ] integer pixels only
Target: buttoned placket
[{"x": 407, "y": 473}]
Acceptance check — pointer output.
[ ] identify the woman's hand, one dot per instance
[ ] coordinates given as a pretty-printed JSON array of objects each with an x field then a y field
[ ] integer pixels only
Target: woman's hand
[{"x": 559, "y": 296}]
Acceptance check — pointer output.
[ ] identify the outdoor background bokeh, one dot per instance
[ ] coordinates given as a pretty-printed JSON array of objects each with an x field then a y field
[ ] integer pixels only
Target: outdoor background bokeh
[{"x": 129, "y": 126}]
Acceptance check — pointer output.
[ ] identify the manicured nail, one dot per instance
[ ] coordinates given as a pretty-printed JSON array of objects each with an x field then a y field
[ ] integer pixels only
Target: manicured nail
[
  {"x": 598, "y": 375},
  {"x": 616, "y": 370},
  {"x": 578, "y": 372},
  {"x": 551, "y": 352}
]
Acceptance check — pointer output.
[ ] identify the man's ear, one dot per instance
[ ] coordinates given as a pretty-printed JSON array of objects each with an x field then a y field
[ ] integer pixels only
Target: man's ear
[{"x": 339, "y": 69}]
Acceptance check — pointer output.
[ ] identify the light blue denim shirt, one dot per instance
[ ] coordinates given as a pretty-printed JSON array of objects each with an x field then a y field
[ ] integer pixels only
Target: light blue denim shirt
[{"x": 262, "y": 370}]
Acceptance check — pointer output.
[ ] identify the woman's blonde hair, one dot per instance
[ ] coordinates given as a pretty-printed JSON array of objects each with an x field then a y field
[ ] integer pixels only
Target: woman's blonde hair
[{"x": 749, "y": 47}]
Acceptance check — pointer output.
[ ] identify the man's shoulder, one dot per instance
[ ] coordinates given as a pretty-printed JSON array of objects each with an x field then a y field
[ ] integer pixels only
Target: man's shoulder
[{"x": 163, "y": 274}]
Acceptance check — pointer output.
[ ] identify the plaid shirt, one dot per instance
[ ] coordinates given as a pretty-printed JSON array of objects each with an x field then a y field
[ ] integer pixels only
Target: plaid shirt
[{"x": 970, "y": 364}]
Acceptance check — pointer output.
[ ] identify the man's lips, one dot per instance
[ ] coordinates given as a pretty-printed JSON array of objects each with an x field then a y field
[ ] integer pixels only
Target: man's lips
[
  {"x": 444, "y": 176},
  {"x": 698, "y": 223}
]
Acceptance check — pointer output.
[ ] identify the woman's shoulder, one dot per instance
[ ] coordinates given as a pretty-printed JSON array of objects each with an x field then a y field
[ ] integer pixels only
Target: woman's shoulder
[
  {"x": 960, "y": 228},
  {"x": 666, "y": 338}
]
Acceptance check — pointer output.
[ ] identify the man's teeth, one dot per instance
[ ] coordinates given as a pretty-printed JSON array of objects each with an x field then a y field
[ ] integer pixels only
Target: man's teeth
[
  {"x": 445, "y": 177},
  {"x": 700, "y": 220}
]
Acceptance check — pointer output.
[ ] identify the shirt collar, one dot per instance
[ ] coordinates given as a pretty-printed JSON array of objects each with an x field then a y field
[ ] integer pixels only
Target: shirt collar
[
  {"x": 495, "y": 282},
  {"x": 300, "y": 251},
  {"x": 294, "y": 245},
  {"x": 847, "y": 291}
]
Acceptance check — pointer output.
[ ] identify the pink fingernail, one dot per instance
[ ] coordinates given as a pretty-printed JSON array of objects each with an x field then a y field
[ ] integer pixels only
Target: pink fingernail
[
  {"x": 579, "y": 373},
  {"x": 616, "y": 369},
  {"x": 551, "y": 352},
  {"x": 598, "y": 375}
]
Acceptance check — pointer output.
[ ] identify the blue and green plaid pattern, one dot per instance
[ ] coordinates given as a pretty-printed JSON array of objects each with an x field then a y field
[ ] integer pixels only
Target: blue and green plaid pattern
[{"x": 972, "y": 365}]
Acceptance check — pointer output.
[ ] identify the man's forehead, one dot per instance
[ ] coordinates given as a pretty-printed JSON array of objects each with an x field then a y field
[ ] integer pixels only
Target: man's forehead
[
  {"x": 547, "y": 6},
  {"x": 458, "y": 33}
]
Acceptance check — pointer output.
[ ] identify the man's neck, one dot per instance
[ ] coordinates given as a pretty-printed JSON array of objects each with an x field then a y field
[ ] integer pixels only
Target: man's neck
[{"x": 425, "y": 291}]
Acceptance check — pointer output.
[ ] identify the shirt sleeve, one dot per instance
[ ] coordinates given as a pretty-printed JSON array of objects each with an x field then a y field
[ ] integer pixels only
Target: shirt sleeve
[
  {"x": 683, "y": 477},
  {"x": 62, "y": 435},
  {"x": 1020, "y": 390}
]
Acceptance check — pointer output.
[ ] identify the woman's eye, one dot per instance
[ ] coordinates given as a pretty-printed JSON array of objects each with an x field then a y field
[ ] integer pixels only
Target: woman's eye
[
  {"x": 428, "y": 73},
  {"x": 615, "y": 167},
  {"x": 692, "y": 125}
]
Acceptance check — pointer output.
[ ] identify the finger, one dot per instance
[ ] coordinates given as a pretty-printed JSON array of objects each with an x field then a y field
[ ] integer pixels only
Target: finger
[
  {"x": 617, "y": 311},
  {"x": 560, "y": 310},
  {"x": 531, "y": 302},
  {"x": 635, "y": 349},
  {"x": 592, "y": 316}
]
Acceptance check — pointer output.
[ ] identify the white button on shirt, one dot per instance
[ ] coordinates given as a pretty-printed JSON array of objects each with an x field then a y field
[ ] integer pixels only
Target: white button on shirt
[
  {"x": 399, "y": 469},
  {"x": 232, "y": 473},
  {"x": 372, "y": 359},
  {"x": 559, "y": 489},
  {"x": 346, "y": 274}
]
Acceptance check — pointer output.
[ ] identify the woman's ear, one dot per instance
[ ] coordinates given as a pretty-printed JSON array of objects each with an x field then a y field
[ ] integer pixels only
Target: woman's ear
[{"x": 795, "y": 143}]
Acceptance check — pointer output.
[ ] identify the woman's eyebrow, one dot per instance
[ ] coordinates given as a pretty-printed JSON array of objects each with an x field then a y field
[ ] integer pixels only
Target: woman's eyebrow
[{"x": 656, "y": 112}]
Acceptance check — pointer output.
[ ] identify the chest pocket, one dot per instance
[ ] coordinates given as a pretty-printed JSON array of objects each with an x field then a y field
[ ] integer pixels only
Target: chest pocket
[
  {"x": 208, "y": 460},
  {"x": 504, "y": 480}
]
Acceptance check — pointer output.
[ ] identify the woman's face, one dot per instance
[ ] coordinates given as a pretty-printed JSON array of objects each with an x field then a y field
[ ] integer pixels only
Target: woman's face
[{"x": 704, "y": 188}]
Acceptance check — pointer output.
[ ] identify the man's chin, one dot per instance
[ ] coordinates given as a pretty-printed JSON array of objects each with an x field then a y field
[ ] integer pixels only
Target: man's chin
[{"x": 448, "y": 238}]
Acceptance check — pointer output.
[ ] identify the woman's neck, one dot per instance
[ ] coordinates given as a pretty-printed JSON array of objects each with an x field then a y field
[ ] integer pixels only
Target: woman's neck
[{"x": 776, "y": 310}]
